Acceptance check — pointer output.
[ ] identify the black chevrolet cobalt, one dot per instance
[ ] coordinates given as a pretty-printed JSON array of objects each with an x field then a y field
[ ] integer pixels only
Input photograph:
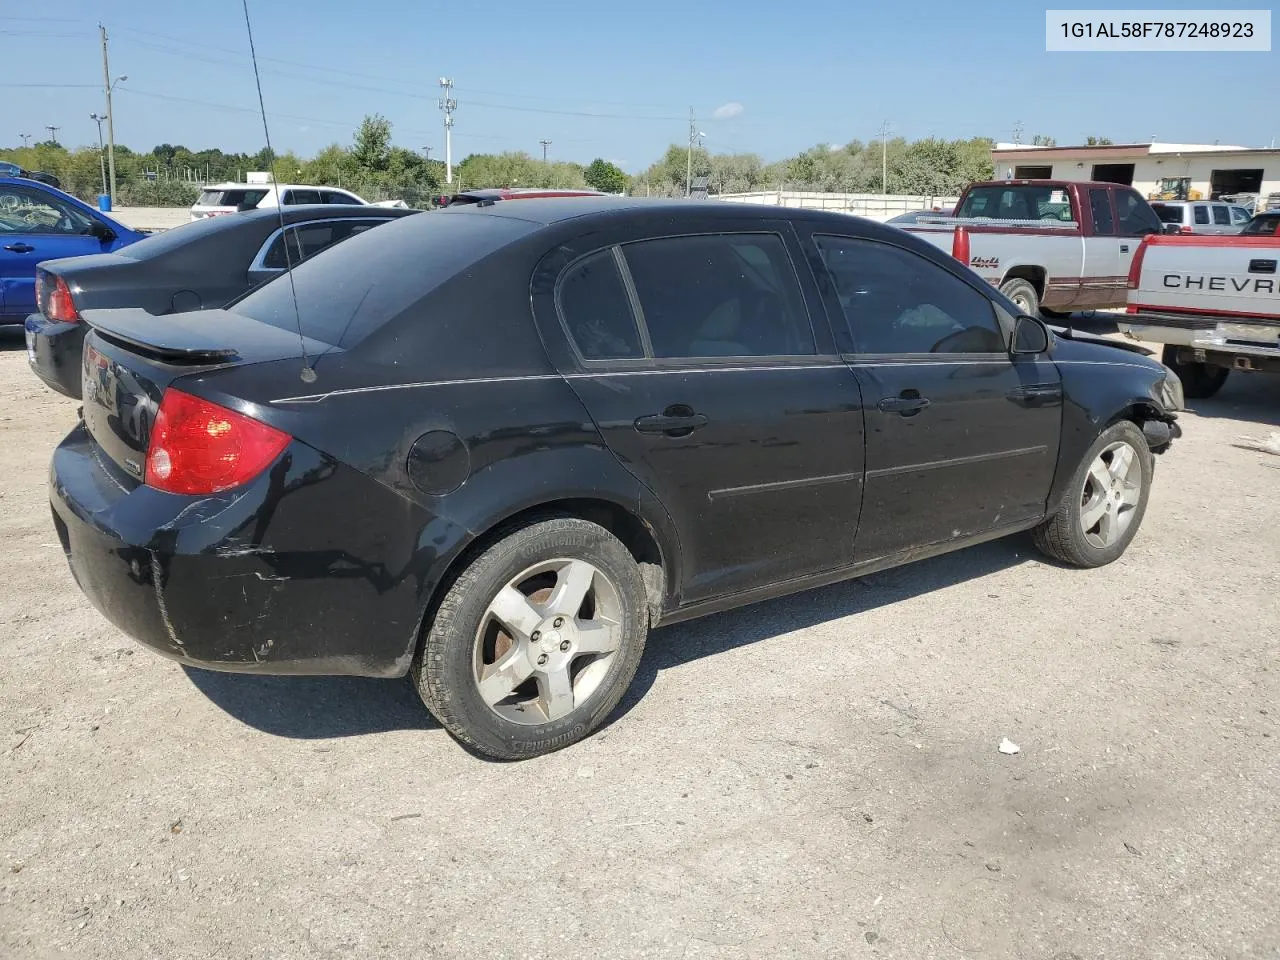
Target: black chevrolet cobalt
[{"x": 492, "y": 446}]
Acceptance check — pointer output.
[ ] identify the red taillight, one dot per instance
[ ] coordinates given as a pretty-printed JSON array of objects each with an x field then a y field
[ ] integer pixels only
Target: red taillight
[
  {"x": 198, "y": 447},
  {"x": 960, "y": 245},
  {"x": 1184, "y": 229},
  {"x": 54, "y": 298},
  {"x": 1135, "y": 268}
]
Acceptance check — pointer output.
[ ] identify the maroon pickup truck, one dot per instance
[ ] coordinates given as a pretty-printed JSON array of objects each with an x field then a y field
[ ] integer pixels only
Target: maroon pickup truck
[{"x": 1049, "y": 245}]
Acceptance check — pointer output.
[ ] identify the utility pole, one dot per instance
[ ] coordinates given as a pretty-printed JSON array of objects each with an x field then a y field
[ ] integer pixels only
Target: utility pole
[
  {"x": 448, "y": 105},
  {"x": 545, "y": 144},
  {"x": 688, "y": 170},
  {"x": 427, "y": 151},
  {"x": 111, "y": 116},
  {"x": 25, "y": 138},
  {"x": 102, "y": 153},
  {"x": 884, "y": 157},
  {"x": 1017, "y": 132},
  {"x": 53, "y": 132}
]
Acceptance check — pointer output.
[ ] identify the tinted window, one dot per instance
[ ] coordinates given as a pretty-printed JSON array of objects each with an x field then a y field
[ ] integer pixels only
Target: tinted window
[
  {"x": 1201, "y": 213},
  {"x": 24, "y": 210},
  {"x": 1168, "y": 213},
  {"x": 1100, "y": 205},
  {"x": 296, "y": 197},
  {"x": 1222, "y": 216},
  {"x": 594, "y": 305},
  {"x": 1264, "y": 225},
  {"x": 1135, "y": 215},
  {"x": 307, "y": 241},
  {"x": 230, "y": 198},
  {"x": 385, "y": 273},
  {"x": 898, "y": 302},
  {"x": 722, "y": 295},
  {"x": 337, "y": 196},
  {"x": 1026, "y": 202}
]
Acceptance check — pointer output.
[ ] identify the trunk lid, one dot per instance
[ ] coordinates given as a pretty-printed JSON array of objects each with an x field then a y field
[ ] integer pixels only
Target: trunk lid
[{"x": 130, "y": 357}]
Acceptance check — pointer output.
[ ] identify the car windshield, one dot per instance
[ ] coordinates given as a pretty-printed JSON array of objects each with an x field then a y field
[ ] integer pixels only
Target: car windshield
[
  {"x": 1166, "y": 213},
  {"x": 382, "y": 273},
  {"x": 1017, "y": 202},
  {"x": 230, "y": 198},
  {"x": 1263, "y": 226}
]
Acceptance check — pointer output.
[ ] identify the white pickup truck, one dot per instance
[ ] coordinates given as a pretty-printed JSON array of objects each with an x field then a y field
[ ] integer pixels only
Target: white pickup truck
[
  {"x": 1214, "y": 302},
  {"x": 1050, "y": 245}
]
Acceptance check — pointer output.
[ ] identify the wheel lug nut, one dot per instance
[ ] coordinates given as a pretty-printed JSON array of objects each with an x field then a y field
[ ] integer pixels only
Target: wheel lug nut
[
  {"x": 564, "y": 644},
  {"x": 542, "y": 660},
  {"x": 559, "y": 621},
  {"x": 535, "y": 636}
]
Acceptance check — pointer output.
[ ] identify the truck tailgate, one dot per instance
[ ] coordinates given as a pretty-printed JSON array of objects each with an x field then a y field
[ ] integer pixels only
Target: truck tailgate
[{"x": 1229, "y": 276}]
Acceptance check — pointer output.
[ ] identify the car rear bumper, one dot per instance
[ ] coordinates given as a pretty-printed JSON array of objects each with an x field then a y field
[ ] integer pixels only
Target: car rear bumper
[
  {"x": 280, "y": 576},
  {"x": 54, "y": 351}
]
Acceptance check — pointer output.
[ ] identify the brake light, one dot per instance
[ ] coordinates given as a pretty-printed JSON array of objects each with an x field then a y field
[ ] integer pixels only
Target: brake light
[
  {"x": 1135, "y": 267},
  {"x": 54, "y": 298},
  {"x": 199, "y": 447}
]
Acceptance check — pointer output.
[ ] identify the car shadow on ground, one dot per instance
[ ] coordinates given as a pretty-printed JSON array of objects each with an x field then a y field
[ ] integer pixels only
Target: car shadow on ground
[
  {"x": 12, "y": 338},
  {"x": 315, "y": 708},
  {"x": 670, "y": 647},
  {"x": 1247, "y": 396},
  {"x": 309, "y": 708}
]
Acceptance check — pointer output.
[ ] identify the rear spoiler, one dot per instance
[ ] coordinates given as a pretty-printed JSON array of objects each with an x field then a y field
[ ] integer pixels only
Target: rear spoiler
[{"x": 156, "y": 337}]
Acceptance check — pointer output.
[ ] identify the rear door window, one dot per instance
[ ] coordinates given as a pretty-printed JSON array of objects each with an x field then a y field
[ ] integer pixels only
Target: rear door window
[
  {"x": 1134, "y": 215},
  {"x": 1100, "y": 205},
  {"x": 719, "y": 295},
  {"x": 596, "y": 309},
  {"x": 298, "y": 197},
  {"x": 1221, "y": 215},
  {"x": 1201, "y": 213},
  {"x": 896, "y": 302}
]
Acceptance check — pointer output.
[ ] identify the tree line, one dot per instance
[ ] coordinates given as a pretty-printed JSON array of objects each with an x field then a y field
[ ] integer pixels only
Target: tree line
[{"x": 375, "y": 168}]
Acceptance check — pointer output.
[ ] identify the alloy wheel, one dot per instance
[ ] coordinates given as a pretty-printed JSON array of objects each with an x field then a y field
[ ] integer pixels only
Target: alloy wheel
[{"x": 1112, "y": 490}]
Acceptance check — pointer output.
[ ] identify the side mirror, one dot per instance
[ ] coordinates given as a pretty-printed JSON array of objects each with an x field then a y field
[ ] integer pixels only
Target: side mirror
[
  {"x": 1030, "y": 337},
  {"x": 100, "y": 230},
  {"x": 1172, "y": 228},
  {"x": 262, "y": 275}
]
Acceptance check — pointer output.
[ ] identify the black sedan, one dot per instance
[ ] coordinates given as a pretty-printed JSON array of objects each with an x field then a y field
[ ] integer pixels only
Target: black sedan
[
  {"x": 193, "y": 267},
  {"x": 493, "y": 446}
]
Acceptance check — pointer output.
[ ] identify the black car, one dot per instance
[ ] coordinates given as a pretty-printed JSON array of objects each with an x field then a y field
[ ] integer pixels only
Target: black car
[
  {"x": 192, "y": 267},
  {"x": 1263, "y": 224},
  {"x": 519, "y": 436}
]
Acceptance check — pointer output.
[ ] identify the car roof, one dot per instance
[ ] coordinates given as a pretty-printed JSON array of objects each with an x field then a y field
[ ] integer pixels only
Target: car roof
[
  {"x": 267, "y": 186},
  {"x": 313, "y": 211}
]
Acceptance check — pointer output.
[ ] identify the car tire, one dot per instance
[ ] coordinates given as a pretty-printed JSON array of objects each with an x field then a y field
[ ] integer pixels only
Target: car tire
[
  {"x": 536, "y": 640},
  {"x": 1023, "y": 294},
  {"x": 1199, "y": 380},
  {"x": 1105, "y": 502}
]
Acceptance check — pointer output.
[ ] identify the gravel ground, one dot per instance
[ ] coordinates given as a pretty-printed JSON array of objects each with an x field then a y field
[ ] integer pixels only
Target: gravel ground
[{"x": 813, "y": 777}]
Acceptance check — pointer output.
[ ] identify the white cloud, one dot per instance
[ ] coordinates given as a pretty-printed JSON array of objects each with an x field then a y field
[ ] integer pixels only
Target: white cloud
[{"x": 728, "y": 111}]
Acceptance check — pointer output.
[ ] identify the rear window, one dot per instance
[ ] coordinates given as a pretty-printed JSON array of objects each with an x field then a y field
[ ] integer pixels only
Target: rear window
[
  {"x": 376, "y": 276},
  {"x": 1026, "y": 202},
  {"x": 230, "y": 198},
  {"x": 1263, "y": 226},
  {"x": 1166, "y": 213}
]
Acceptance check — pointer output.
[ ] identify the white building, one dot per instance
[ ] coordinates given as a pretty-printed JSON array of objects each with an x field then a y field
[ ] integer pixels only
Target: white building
[{"x": 1214, "y": 170}]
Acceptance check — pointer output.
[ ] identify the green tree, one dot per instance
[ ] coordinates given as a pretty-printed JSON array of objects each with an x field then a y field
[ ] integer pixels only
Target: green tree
[
  {"x": 1040, "y": 140},
  {"x": 605, "y": 176},
  {"x": 372, "y": 150},
  {"x": 1098, "y": 141}
]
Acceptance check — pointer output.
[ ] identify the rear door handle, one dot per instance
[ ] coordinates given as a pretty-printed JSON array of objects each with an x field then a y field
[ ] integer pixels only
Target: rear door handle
[
  {"x": 908, "y": 406},
  {"x": 19, "y": 247},
  {"x": 676, "y": 421}
]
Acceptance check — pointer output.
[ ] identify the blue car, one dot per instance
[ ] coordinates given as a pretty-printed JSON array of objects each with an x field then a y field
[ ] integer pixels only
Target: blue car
[{"x": 39, "y": 223}]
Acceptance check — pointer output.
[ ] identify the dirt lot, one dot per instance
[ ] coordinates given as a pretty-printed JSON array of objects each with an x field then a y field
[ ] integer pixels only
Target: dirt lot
[{"x": 816, "y": 777}]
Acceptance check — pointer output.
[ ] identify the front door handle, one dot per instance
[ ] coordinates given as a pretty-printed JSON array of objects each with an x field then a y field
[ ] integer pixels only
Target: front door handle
[
  {"x": 19, "y": 247},
  {"x": 908, "y": 404},
  {"x": 676, "y": 421},
  {"x": 1036, "y": 394}
]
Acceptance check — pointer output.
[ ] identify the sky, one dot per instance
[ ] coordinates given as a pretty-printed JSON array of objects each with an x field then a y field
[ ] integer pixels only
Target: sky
[{"x": 605, "y": 79}]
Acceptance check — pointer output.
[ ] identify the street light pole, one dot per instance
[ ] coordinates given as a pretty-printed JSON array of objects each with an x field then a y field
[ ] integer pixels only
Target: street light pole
[
  {"x": 102, "y": 154},
  {"x": 545, "y": 144},
  {"x": 108, "y": 85},
  {"x": 25, "y": 138},
  {"x": 427, "y": 151}
]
